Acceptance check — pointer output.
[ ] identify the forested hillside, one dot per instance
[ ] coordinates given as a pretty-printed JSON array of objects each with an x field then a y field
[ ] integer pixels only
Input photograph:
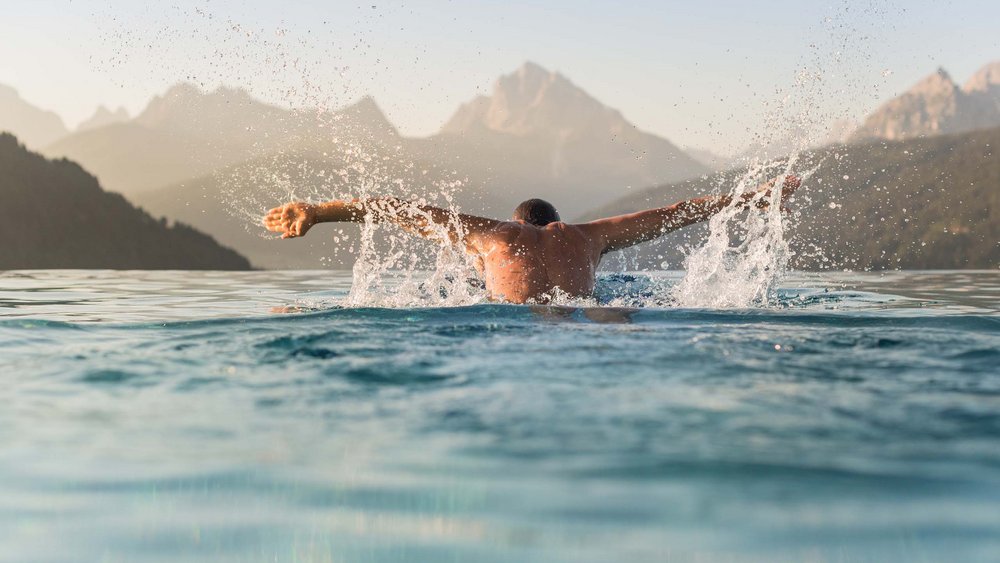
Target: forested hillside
[
  {"x": 57, "y": 216},
  {"x": 927, "y": 203}
]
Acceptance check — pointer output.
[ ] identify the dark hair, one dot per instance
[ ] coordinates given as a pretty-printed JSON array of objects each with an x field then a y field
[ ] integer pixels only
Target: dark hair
[{"x": 536, "y": 212}]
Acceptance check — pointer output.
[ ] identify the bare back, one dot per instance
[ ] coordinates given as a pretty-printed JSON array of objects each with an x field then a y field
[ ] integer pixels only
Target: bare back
[{"x": 521, "y": 262}]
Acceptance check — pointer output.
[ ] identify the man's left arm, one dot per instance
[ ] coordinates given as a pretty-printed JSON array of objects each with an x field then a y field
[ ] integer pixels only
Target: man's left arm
[{"x": 623, "y": 231}]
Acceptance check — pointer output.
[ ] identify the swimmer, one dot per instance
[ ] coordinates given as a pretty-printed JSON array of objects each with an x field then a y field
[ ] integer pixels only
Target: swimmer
[{"x": 529, "y": 257}]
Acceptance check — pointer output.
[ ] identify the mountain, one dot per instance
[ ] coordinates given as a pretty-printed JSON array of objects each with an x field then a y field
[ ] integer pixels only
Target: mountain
[
  {"x": 34, "y": 126},
  {"x": 232, "y": 117},
  {"x": 102, "y": 117},
  {"x": 64, "y": 219},
  {"x": 164, "y": 144},
  {"x": 986, "y": 80},
  {"x": 540, "y": 135},
  {"x": 225, "y": 116},
  {"x": 937, "y": 105},
  {"x": 927, "y": 203},
  {"x": 187, "y": 133},
  {"x": 195, "y": 156}
]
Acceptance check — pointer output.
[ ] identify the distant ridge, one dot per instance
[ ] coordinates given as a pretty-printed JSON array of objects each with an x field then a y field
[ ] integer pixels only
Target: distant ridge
[
  {"x": 936, "y": 105},
  {"x": 539, "y": 135},
  {"x": 35, "y": 127},
  {"x": 65, "y": 220},
  {"x": 227, "y": 115},
  {"x": 542, "y": 136},
  {"x": 186, "y": 133},
  {"x": 534, "y": 101},
  {"x": 102, "y": 117}
]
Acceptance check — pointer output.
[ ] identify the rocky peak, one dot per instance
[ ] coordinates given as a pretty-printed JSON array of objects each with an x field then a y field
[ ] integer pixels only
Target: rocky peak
[
  {"x": 932, "y": 106},
  {"x": 985, "y": 79},
  {"x": 366, "y": 109},
  {"x": 102, "y": 117},
  {"x": 531, "y": 100},
  {"x": 185, "y": 108},
  {"x": 936, "y": 84},
  {"x": 365, "y": 116}
]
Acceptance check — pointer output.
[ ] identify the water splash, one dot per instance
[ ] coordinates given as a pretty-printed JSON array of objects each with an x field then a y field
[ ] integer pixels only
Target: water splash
[
  {"x": 745, "y": 254},
  {"x": 395, "y": 269}
]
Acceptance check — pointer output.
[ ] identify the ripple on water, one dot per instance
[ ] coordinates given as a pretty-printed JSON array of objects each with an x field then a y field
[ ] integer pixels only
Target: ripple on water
[{"x": 856, "y": 418}]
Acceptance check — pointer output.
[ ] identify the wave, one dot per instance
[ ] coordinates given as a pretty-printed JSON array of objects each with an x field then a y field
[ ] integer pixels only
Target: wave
[{"x": 511, "y": 314}]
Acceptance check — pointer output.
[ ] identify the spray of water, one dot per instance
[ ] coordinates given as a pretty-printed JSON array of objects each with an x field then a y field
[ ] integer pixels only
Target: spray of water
[{"x": 745, "y": 254}]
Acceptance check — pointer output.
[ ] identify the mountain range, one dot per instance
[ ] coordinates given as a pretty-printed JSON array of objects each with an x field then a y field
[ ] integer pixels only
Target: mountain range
[
  {"x": 937, "y": 105},
  {"x": 536, "y": 135},
  {"x": 218, "y": 159}
]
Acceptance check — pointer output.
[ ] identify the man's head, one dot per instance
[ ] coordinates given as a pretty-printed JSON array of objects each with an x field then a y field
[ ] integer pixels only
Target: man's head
[{"x": 536, "y": 212}]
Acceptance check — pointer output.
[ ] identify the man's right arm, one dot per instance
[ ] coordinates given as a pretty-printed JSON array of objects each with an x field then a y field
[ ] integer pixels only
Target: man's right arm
[
  {"x": 296, "y": 218},
  {"x": 623, "y": 231}
]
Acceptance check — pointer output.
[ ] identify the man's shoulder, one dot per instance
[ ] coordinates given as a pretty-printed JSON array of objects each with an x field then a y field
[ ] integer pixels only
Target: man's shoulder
[
  {"x": 516, "y": 229},
  {"x": 569, "y": 229},
  {"x": 502, "y": 231}
]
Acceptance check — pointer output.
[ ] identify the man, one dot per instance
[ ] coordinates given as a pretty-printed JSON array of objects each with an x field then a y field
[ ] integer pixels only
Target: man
[{"x": 534, "y": 254}]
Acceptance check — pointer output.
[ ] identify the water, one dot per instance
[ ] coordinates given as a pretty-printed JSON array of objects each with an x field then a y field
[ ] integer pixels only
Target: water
[{"x": 165, "y": 416}]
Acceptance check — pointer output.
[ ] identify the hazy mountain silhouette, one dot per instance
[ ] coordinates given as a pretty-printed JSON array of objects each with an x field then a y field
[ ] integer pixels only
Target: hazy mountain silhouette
[
  {"x": 103, "y": 117},
  {"x": 924, "y": 203},
  {"x": 540, "y": 135},
  {"x": 937, "y": 105},
  {"x": 537, "y": 135},
  {"x": 231, "y": 116},
  {"x": 35, "y": 127},
  {"x": 164, "y": 144},
  {"x": 186, "y": 133},
  {"x": 64, "y": 219},
  {"x": 225, "y": 116}
]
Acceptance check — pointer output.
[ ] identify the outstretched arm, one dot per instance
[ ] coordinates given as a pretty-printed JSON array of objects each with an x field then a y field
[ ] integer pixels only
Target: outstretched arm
[
  {"x": 296, "y": 218},
  {"x": 623, "y": 231}
]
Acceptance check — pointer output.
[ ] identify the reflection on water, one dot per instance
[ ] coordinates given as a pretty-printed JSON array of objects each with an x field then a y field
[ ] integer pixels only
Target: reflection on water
[{"x": 172, "y": 416}]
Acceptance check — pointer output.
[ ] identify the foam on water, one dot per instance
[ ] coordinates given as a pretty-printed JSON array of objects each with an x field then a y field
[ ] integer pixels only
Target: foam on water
[{"x": 745, "y": 254}]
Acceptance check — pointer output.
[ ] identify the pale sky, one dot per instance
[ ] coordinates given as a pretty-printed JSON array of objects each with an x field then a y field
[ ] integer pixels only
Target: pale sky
[{"x": 703, "y": 74}]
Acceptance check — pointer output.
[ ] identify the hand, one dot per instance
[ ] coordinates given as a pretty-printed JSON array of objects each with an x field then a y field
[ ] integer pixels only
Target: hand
[{"x": 291, "y": 220}]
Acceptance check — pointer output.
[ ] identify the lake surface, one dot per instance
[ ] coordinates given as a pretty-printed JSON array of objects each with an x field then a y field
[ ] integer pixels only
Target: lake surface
[{"x": 168, "y": 416}]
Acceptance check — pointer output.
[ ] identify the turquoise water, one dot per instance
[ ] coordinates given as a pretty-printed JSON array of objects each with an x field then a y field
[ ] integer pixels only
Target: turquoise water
[{"x": 166, "y": 416}]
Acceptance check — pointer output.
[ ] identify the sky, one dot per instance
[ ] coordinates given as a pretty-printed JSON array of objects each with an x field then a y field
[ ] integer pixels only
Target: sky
[{"x": 702, "y": 74}]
